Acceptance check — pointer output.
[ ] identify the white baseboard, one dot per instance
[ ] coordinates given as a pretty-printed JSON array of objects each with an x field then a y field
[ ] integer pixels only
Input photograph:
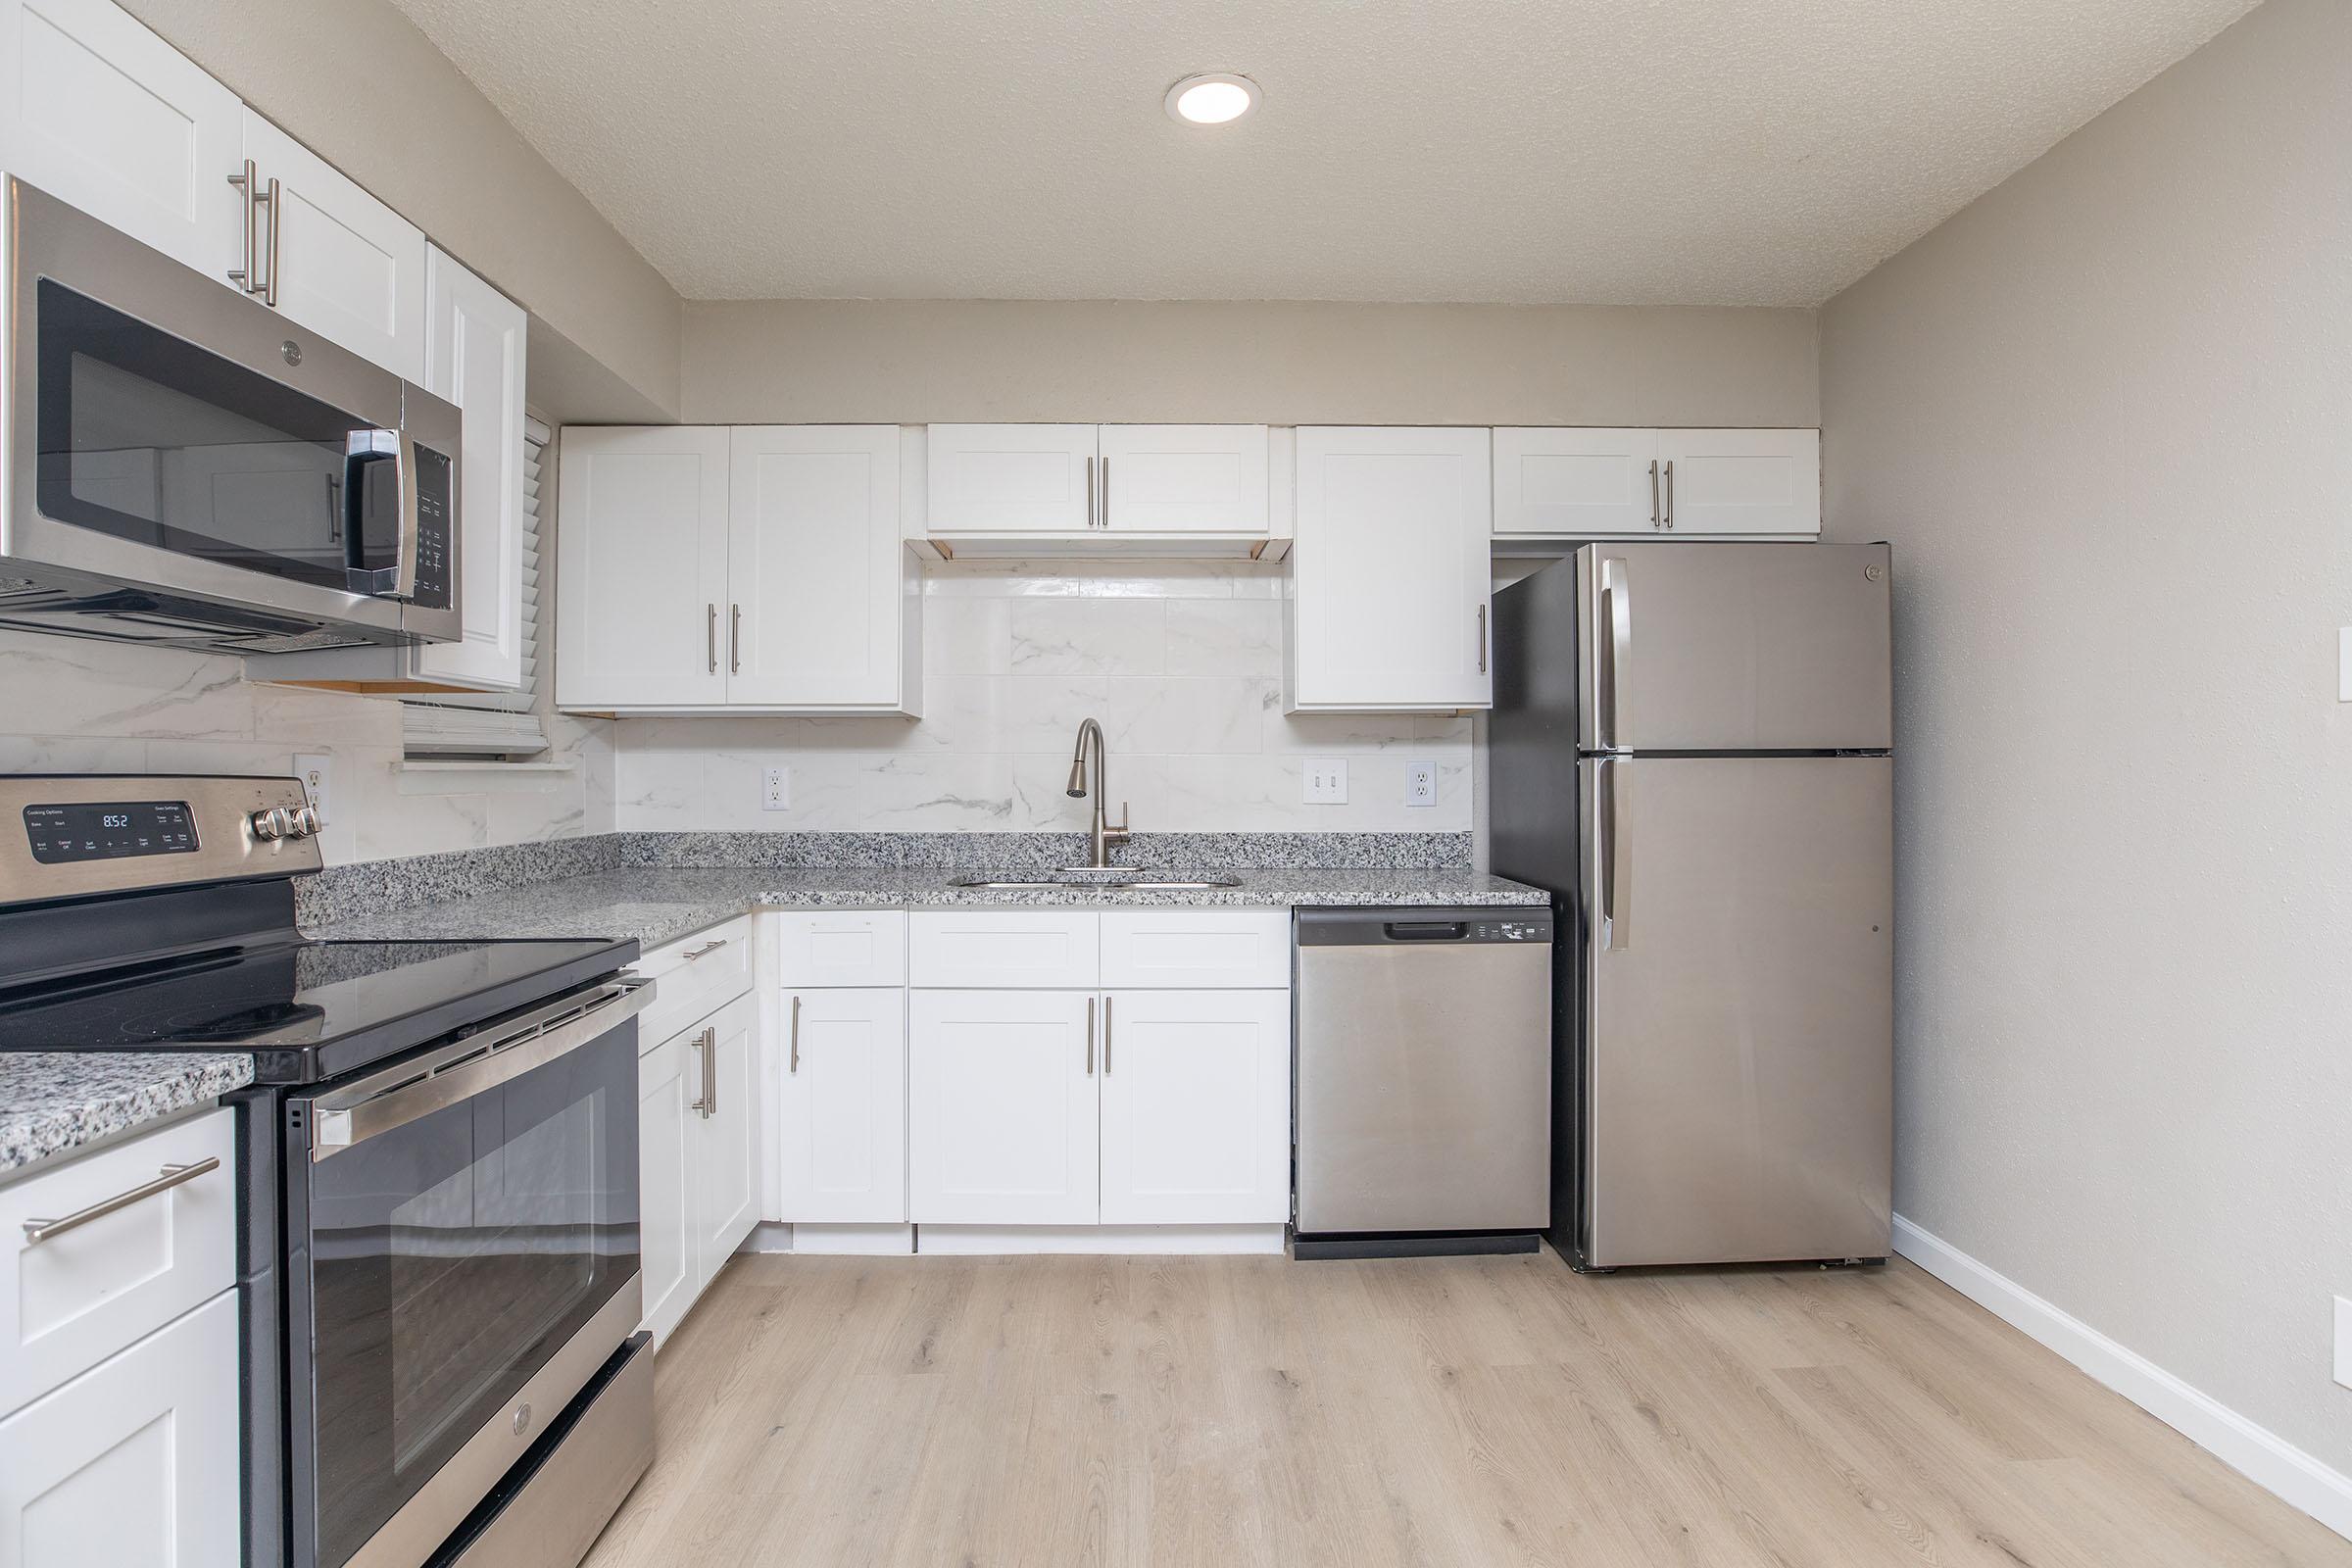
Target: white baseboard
[
  {"x": 985, "y": 1240},
  {"x": 2261, "y": 1454},
  {"x": 854, "y": 1241},
  {"x": 768, "y": 1235}
]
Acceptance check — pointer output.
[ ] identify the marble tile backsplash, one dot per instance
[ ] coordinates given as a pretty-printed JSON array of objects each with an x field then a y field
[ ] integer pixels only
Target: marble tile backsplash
[
  {"x": 1181, "y": 663},
  {"x": 74, "y": 706}
]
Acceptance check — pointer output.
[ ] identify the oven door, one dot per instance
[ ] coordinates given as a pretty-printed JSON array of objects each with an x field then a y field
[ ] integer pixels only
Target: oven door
[
  {"x": 169, "y": 434},
  {"x": 464, "y": 1257}
]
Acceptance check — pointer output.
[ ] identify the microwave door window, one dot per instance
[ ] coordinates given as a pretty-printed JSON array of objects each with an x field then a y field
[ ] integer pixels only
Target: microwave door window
[{"x": 147, "y": 437}]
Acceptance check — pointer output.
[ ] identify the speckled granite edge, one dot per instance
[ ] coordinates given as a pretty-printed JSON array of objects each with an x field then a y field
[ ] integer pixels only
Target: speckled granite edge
[
  {"x": 54, "y": 1100},
  {"x": 374, "y": 886}
]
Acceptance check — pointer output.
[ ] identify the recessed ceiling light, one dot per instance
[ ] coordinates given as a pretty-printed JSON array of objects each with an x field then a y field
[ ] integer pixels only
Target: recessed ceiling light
[{"x": 1211, "y": 100}]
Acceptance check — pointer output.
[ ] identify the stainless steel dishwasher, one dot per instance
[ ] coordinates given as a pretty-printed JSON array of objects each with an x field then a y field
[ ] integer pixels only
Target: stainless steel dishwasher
[{"x": 1423, "y": 1091}]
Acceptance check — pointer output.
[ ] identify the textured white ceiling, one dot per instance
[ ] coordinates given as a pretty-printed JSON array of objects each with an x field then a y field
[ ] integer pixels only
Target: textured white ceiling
[{"x": 1728, "y": 152}]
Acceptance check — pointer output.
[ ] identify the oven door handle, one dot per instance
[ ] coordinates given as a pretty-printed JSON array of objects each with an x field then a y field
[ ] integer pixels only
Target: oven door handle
[{"x": 348, "y": 1117}]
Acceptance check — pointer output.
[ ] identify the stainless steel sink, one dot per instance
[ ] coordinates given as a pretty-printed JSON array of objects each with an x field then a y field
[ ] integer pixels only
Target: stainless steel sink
[{"x": 1076, "y": 876}]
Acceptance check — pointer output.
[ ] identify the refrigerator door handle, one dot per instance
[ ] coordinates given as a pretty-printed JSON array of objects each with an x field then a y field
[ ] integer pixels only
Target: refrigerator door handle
[
  {"x": 1617, "y": 623},
  {"x": 1616, "y": 858}
]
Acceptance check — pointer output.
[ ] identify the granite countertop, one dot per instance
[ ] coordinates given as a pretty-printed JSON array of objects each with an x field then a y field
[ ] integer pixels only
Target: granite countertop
[
  {"x": 656, "y": 906},
  {"x": 54, "y": 1100}
]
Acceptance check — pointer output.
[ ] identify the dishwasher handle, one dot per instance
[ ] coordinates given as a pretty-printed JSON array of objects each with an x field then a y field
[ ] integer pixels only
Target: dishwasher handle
[
  {"x": 1405, "y": 925},
  {"x": 1425, "y": 930}
]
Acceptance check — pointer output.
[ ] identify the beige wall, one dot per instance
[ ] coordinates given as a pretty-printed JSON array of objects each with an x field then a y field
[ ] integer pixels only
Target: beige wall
[
  {"x": 2105, "y": 415},
  {"x": 914, "y": 361},
  {"x": 358, "y": 84}
]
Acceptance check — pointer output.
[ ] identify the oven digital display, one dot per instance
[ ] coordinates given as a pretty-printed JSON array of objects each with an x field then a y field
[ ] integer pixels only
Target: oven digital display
[{"x": 115, "y": 830}]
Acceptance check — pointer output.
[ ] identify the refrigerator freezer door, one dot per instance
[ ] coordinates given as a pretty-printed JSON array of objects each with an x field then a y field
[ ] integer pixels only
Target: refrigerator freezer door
[
  {"x": 1733, "y": 647},
  {"x": 1738, "y": 1020}
]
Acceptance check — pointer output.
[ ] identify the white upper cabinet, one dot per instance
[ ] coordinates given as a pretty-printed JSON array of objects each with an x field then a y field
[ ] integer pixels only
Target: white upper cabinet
[
  {"x": 1390, "y": 573},
  {"x": 99, "y": 112},
  {"x": 1576, "y": 483},
  {"x": 1011, "y": 478},
  {"x": 641, "y": 568},
  {"x": 332, "y": 257},
  {"x": 707, "y": 569},
  {"x": 822, "y": 596},
  {"x": 841, "y": 1128},
  {"x": 1741, "y": 481},
  {"x": 1181, "y": 479},
  {"x": 474, "y": 354}
]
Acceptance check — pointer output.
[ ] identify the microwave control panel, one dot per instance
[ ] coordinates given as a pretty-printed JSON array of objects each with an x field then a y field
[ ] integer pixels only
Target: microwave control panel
[{"x": 436, "y": 508}]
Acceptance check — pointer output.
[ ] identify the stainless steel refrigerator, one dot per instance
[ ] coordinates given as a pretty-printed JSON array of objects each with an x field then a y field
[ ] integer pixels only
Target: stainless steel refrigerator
[{"x": 1692, "y": 749}]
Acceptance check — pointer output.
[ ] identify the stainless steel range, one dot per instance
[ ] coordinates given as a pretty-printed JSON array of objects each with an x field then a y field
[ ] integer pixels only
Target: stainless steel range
[{"x": 439, "y": 1231}]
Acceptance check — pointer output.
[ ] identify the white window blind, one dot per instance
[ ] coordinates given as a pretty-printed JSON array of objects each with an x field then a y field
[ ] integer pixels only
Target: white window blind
[{"x": 493, "y": 724}]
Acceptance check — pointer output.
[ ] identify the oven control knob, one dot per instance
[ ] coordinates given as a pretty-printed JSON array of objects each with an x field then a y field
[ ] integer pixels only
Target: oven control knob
[
  {"x": 522, "y": 1419},
  {"x": 307, "y": 823},
  {"x": 273, "y": 823}
]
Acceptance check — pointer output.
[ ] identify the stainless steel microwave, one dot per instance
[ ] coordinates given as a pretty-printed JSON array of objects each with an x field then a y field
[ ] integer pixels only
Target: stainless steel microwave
[{"x": 187, "y": 467}]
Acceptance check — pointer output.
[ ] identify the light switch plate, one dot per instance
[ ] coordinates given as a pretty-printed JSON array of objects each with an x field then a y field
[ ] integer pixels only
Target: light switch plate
[
  {"x": 1420, "y": 783},
  {"x": 316, "y": 769},
  {"x": 775, "y": 789},
  {"x": 2343, "y": 1342},
  {"x": 1326, "y": 781}
]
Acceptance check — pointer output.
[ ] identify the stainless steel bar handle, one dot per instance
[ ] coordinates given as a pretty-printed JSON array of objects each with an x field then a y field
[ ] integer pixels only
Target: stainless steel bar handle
[
  {"x": 710, "y": 1072},
  {"x": 1090, "y": 491},
  {"x": 1106, "y": 1037},
  {"x": 1090, "y": 1037},
  {"x": 1482, "y": 639},
  {"x": 37, "y": 1231},
  {"x": 700, "y": 1103},
  {"x": 1616, "y": 855},
  {"x": 1669, "y": 481},
  {"x": 247, "y": 184},
  {"x": 1106, "y": 494},
  {"x": 1617, "y": 623},
  {"x": 1657, "y": 517},
  {"x": 795, "y": 1031},
  {"x": 704, "y": 951},
  {"x": 734, "y": 639},
  {"x": 269, "y": 283},
  {"x": 710, "y": 635},
  {"x": 465, "y": 1066}
]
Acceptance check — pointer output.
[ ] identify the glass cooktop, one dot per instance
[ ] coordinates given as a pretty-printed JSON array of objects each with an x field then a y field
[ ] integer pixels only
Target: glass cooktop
[{"x": 293, "y": 1001}]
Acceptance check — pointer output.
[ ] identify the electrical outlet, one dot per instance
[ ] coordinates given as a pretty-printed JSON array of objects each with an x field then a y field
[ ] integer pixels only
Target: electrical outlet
[
  {"x": 1326, "y": 782},
  {"x": 2343, "y": 1342},
  {"x": 1420, "y": 783},
  {"x": 316, "y": 769},
  {"x": 775, "y": 789}
]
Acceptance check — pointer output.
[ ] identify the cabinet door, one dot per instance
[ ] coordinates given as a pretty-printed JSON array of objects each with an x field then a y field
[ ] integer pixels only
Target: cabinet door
[
  {"x": 473, "y": 356},
  {"x": 1576, "y": 483},
  {"x": 1196, "y": 1107},
  {"x": 726, "y": 1166},
  {"x": 340, "y": 262},
  {"x": 1011, "y": 478},
  {"x": 1741, "y": 481},
  {"x": 99, "y": 112},
  {"x": 1003, "y": 1121},
  {"x": 135, "y": 1461},
  {"x": 816, "y": 576},
  {"x": 842, "y": 1122},
  {"x": 641, "y": 566},
  {"x": 1183, "y": 478},
  {"x": 666, "y": 1180},
  {"x": 1390, "y": 573}
]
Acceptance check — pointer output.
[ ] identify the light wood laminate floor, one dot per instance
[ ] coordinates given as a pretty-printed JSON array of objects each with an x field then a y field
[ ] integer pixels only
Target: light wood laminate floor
[{"x": 1171, "y": 1412}]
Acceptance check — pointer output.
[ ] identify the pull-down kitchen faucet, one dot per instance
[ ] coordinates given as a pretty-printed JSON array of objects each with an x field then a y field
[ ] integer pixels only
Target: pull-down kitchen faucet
[{"x": 1100, "y": 835}]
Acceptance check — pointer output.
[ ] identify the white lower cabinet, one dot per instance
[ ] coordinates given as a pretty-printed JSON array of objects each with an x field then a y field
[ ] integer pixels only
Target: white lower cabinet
[
  {"x": 697, "y": 1158},
  {"x": 842, "y": 1107},
  {"x": 1003, "y": 1121},
  {"x": 665, "y": 1183},
  {"x": 1196, "y": 1107},
  {"x": 136, "y": 1460}
]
